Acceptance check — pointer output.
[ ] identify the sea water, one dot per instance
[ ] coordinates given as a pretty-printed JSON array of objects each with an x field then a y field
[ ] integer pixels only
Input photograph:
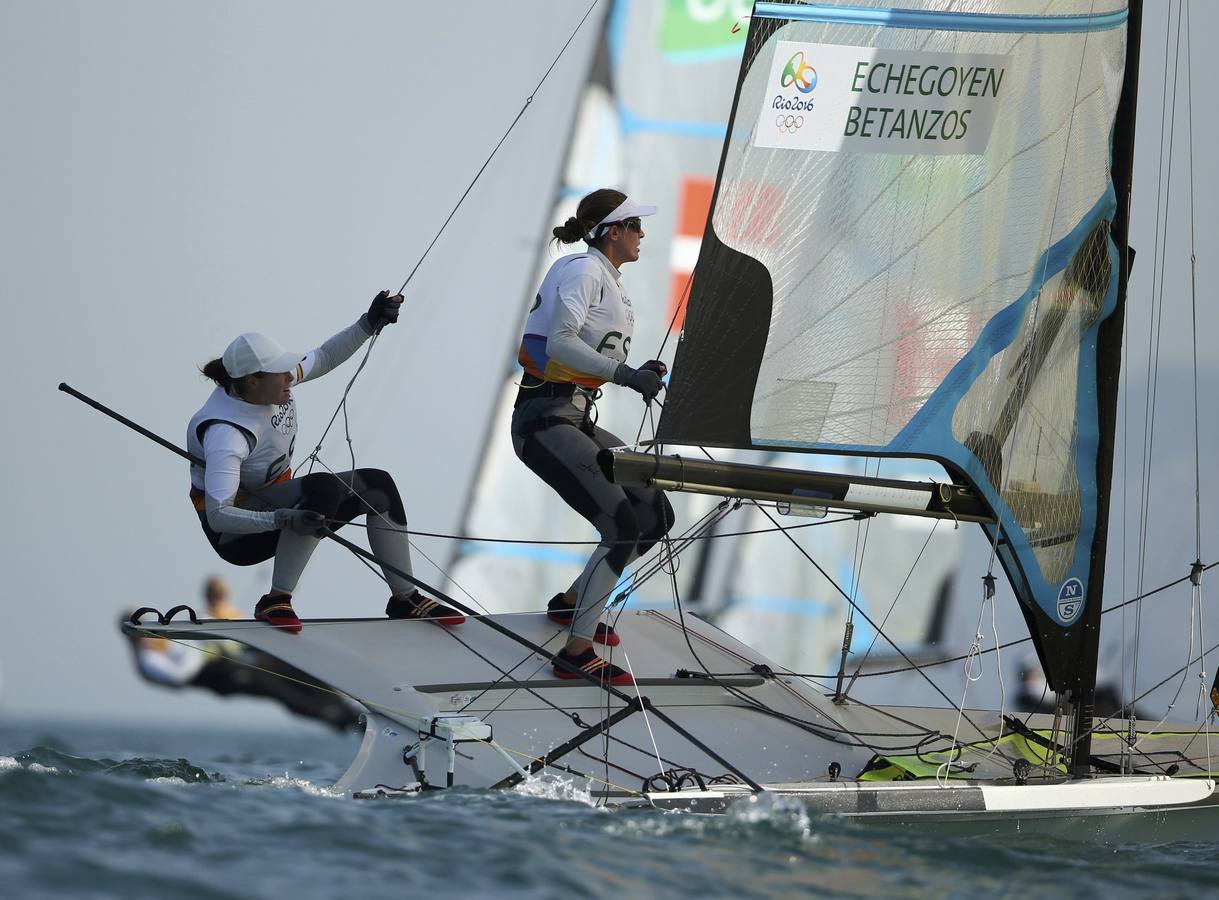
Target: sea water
[{"x": 166, "y": 811}]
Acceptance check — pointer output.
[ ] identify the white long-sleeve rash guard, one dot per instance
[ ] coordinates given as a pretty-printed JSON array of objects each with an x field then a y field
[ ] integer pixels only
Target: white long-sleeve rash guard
[
  {"x": 579, "y": 293},
  {"x": 225, "y": 447}
]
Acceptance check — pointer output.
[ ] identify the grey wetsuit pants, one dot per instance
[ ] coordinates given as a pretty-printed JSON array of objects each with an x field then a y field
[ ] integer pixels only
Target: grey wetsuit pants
[
  {"x": 553, "y": 438},
  {"x": 343, "y": 497}
]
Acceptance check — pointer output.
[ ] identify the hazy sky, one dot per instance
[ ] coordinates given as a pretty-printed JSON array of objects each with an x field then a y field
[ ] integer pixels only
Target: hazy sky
[{"x": 176, "y": 173}]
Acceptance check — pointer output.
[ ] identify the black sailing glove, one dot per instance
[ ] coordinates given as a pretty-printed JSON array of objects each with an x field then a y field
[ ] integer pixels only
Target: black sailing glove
[
  {"x": 657, "y": 366},
  {"x": 383, "y": 311},
  {"x": 644, "y": 380},
  {"x": 301, "y": 521}
]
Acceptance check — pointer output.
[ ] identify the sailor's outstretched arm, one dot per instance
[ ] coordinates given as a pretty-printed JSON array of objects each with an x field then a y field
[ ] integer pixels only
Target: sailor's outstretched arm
[{"x": 338, "y": 349}]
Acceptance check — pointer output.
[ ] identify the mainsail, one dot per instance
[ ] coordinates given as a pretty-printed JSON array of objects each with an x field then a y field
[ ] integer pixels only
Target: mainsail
[
  {"x": 651, "y": 121},
  {"x": 909, "y": 254}
]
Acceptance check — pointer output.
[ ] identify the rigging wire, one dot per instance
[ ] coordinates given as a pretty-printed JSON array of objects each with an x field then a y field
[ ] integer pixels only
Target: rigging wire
[
  {"x": 342, "y": 406},
  {"x": 524, "y": 107},
  {"x": 1168, "y": 115},
  {"x": 845, "y": 517},
  {"x": 935, "y": 523},
  {"x": 1196, "y": 574}
]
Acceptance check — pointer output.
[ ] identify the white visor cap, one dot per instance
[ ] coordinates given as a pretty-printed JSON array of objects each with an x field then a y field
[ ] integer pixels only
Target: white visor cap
[
  {"x": 253, "y": 352},
  {"x": 627, "y": 209}
]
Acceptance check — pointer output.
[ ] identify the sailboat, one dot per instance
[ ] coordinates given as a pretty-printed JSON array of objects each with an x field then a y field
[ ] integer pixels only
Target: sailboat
[{"x": 916, "y": 247}]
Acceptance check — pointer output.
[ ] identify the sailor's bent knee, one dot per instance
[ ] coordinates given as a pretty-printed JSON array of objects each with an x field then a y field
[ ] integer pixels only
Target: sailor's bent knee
[
  {"x": 322, "y": 492},
  {"x": 382, "y": 481},
  {"x": 664, "y": 522},
  {"x": 624, "y": 537}
]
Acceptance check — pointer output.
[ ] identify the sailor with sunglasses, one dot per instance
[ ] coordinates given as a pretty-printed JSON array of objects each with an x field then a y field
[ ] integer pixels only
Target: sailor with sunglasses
[{"x": 576, "y": 339}]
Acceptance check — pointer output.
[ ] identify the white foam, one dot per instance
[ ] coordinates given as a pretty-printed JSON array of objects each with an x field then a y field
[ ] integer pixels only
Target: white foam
[
  {"x": 39, "y": 769},
  {"x": 301, "y": 784},
  {"x": 774, "y": 809},
  {"x": 7, "y": 762},
  {"x": 549, "y": 786}
]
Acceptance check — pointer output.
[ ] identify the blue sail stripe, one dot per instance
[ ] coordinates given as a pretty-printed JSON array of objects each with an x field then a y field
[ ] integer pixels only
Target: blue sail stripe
[
  {"x": 941, "y": 20},
  {"x": 633, "y": 124},
  {"x": 929, "y": 432}
]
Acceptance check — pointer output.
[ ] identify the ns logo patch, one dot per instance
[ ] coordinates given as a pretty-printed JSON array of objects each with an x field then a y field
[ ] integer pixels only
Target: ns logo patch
[{"x": 1070, "y": 600}]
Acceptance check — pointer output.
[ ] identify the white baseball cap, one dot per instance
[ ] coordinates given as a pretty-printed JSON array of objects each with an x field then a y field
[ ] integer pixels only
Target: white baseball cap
[
  {"x": 253, "y": 352},
  {"x": 627, "y": 209}
]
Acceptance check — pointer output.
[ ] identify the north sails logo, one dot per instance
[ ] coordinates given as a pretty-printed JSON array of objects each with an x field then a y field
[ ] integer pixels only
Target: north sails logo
[{"x": 1070, "y": 600}]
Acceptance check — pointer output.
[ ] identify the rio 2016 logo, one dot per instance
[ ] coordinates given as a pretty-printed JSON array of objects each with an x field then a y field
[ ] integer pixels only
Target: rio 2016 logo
[{"x": 799, "y": 74}]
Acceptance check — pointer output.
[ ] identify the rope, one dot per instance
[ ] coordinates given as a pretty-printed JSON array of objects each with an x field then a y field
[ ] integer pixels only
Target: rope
[
  {"x": 538, "y": 543},
  {"x": 525, "y": 106},
  {"x": 1193, "y": 305},
  {"x": 342, "y": 406},
  {"x": 1168, "y": 115}
]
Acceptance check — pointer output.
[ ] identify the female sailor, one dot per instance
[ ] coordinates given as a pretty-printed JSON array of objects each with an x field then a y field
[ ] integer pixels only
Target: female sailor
[
  {"x": 576, "y": 339},
  {"x": 250, "y": 506}
]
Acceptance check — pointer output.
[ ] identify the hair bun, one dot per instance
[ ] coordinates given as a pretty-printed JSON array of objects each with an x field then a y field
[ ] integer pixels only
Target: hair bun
[{"x": 570, "y": 231}]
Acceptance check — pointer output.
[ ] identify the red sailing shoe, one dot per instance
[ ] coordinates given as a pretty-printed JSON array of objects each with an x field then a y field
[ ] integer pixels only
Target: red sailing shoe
[
  {"x": 416, "y": 606},
  {"x": 590, "y": 663},
  {"x": 276, "y": 610},
  {"x": 557, "y": 610}
]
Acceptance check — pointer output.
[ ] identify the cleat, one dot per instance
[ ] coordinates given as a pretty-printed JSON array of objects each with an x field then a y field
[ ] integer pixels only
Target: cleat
[
  {"x": 558, "y": 611},
  {"x": 416, "y": 606},
  {"x": 590, "y": 663},
  {"x": 277, "y": 612}
]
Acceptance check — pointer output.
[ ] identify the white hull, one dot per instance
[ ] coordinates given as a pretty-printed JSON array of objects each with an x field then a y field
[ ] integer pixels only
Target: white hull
[{"x": 471, "y": 707}]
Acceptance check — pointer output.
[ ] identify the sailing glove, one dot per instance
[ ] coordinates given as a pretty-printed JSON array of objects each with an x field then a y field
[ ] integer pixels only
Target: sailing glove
[
  {"x": 656, "y": 366},
  {"x": 383, "y": 311},
  {"x": 644, "y": 380},
  {"x": 301, "y": 521}
]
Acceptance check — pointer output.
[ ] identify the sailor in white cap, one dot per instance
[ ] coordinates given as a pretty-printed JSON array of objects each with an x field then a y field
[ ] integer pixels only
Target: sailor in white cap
[
  {"x": 576, "y": 339},
  {"x": 249, "y": 504}
]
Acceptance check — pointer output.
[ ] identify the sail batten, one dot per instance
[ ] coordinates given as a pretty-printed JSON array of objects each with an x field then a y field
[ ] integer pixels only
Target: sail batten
[{"x": 909, "y": 254}]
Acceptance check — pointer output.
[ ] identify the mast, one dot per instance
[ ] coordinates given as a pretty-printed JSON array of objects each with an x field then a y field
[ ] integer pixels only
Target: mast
[{"x": 1109, "y": 356}]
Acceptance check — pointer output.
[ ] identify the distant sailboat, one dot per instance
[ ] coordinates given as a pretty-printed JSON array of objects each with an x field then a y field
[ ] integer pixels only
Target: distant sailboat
[{"x": 651, "y": 120}]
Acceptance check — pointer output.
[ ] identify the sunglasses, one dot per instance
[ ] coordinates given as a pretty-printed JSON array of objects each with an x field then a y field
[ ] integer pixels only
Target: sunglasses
[{"x": 632, "y": 223}]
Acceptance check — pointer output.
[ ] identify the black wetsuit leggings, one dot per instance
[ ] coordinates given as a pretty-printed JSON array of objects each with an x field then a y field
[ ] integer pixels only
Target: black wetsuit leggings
[
  {"x": 554, "y": 439},
  {"x": 372, "y": 492}
]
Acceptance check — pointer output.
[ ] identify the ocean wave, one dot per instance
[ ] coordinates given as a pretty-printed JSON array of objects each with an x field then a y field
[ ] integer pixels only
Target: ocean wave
[{"x": 49, "y": 761}]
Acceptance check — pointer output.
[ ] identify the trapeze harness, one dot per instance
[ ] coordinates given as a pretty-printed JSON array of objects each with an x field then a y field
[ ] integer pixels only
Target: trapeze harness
[
  {"x": 248, "y": 448},
  {"x": 577, "y": 333}
]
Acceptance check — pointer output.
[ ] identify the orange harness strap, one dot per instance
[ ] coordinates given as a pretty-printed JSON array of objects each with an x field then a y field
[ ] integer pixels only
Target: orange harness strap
[{"x": 198, "y": 499}]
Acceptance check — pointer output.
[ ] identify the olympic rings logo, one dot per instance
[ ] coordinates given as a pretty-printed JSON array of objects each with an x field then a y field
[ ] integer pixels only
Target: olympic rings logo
[
  {"x": 798, "y": 73},
  {"x": 790, "y": 124}
]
